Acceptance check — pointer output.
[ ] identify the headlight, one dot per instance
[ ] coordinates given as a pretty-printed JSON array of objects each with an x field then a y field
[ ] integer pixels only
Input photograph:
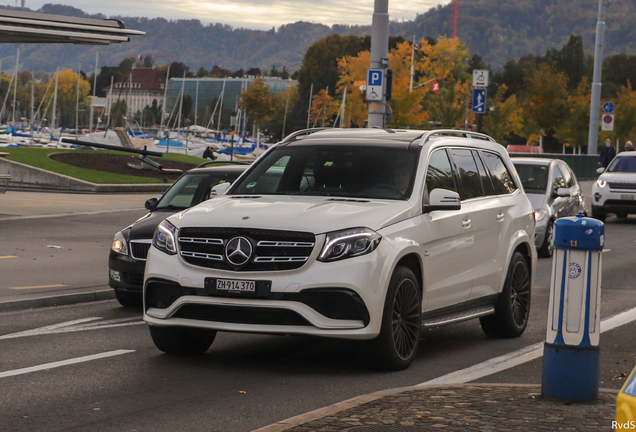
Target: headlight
[
  {"x": 539, "y": 214},
  {"x": 164, "y": 238},
  {"x": 601, "y": 183},
  {"x": 119, "y": 244},
  {"x": 349, "y": 243}
]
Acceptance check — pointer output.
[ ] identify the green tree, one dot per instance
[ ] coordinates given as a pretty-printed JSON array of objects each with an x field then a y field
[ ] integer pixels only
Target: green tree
[
  {"x": 256, "y": 101},
  {"x": 625, "y": 119},
  {"x": 570, "y": 60},
  {"x": 505, "y": 116},
  {"x": 574, "y": 127}
]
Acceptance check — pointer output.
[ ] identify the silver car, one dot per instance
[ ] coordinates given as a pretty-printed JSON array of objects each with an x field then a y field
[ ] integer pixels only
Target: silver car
[{"x": 553, "y": 191}]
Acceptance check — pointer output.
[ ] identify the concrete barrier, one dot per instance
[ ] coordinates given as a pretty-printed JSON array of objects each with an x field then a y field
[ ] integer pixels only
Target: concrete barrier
[{"x": 28, "y": 178}]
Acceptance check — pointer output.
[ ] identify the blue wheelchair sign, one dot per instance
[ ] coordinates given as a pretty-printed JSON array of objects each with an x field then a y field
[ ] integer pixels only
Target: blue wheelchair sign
[{"x": 479, "y": 100}]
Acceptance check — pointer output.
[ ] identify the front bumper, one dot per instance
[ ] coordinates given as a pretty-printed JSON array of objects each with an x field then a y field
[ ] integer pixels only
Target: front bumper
[
  {"x": 613, "y": 200},
  {"x": 130, "y": 272},
  {"x": 342, "y": 299}
]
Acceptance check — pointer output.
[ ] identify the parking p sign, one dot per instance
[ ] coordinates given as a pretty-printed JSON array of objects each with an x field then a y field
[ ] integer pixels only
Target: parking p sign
[{"x": 375, "y": 84}]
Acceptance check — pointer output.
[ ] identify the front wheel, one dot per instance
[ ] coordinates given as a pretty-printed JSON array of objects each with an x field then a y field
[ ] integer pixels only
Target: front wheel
[
  {"x": 182, "y": 340},
  {"x": 128, "y": 299},
  {"x": 512, "y": 309},
  {"x": 547, "y": 248},
  {"x": 597, "y": 214},
  {"x": 399, "y": 337}
]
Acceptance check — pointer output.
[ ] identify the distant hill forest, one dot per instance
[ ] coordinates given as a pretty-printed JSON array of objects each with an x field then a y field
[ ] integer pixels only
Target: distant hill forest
[{"x": 496, "y": 30}]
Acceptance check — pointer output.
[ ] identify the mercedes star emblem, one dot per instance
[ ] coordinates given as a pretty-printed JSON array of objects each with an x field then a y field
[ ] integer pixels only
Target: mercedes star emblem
[{"x": 238, "y": 251}]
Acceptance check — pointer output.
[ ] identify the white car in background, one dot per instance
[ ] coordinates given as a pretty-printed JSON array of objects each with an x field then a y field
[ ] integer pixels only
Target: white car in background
[
  {"x": 615, "y": 189},
  {"x": 350, "y": 233}
]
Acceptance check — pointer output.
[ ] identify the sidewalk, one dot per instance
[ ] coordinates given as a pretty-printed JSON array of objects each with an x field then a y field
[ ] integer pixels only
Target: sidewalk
[{"x": 457, "y": 408}]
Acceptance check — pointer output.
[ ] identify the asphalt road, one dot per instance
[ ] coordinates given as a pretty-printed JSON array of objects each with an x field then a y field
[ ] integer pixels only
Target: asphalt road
[{"x": 245, "y": 381}]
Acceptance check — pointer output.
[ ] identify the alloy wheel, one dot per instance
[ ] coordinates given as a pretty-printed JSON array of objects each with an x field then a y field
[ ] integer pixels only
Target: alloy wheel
[
  {"x": 520, "y": 293},
  {"x": 406, "y": 318}
]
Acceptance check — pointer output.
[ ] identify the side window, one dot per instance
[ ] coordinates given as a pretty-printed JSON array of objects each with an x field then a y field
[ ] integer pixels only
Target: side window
[
  {"x": 439, "y": 174},
  {"x": 558, "y": 181},
  {"x": 502, "y": 180},
  {"x": 567, "y": 175},
  {"x": 469, "y": 179},
  {"x": 483, "y": 173}
]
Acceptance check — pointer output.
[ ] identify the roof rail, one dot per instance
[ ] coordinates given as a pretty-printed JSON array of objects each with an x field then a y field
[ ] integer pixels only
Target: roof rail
[
  {"x": 222, "y": 162},
  {"x": 298, "y": 133},
  {"x": 465, "y": 134}
]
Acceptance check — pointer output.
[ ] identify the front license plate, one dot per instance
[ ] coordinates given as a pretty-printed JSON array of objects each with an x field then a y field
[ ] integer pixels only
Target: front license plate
[
  {"x": 235, "y": 285},
  {"x": 238, "y": 287},
  {"x": 627, "y": 196}
]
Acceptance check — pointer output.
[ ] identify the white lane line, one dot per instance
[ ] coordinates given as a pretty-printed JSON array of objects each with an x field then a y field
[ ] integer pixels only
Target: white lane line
[
  {"x": 63, "y": 363},
  {"x": 76, "y": 325},
  {"x": 56, "y": 215},
  {"x": 515, "y": 358}
]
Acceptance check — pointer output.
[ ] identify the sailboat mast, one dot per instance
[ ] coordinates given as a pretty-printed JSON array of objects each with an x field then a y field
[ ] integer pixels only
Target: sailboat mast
[
  {"x": 32, "y": 122},
  {"x": 15, "y": 91},
  {"x": 90, "y": 122},
  {"x": 57, "y": 76},
  {"x": 218, "y": 124},
  {"x": 79, "y": 76}
]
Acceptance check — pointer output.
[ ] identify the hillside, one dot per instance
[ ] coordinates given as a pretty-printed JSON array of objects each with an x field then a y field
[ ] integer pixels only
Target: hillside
[{"x": 497, "y": 30}]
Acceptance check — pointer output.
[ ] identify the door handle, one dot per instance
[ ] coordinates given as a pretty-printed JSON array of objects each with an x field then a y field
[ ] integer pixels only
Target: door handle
[
  {"x": 466, "y": 223},
  {"x": 500, "y": 216}
]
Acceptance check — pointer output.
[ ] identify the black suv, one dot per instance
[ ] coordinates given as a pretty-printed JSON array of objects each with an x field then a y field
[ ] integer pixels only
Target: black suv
[{"x": 127, "y": 259}]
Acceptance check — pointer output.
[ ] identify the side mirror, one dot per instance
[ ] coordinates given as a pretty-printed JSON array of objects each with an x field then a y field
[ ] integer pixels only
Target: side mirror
[
  {"x": 220, "y": 189},
  {"x": 442, "y": 199},
  {"x": 563, "y": 192},
  {"x": 600, "y": 170},
  {"x": 151, "y": 203}
]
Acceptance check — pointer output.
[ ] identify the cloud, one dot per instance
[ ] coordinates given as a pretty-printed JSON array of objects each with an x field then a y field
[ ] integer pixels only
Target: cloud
[{"x": 253, "y": 14}]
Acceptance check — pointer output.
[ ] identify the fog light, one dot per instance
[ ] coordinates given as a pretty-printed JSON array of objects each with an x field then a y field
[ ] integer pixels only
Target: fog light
[
  {"x": 597, "y": 196},
  {"x": 115, "y": 275}
]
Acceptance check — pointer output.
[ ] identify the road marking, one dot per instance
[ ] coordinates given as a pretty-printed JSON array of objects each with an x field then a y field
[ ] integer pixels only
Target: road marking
[
  {"x": 76, "y": 325},
  {"x": 515, "y": 358},
  {"x": 63, "y": 363},
  {"x": 8, "y": 256},
  {"x": 97, "y": 212},
  {"x": 38, "y": 286}
]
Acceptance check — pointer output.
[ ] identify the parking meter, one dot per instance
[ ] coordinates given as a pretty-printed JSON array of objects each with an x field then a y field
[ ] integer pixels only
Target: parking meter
[{"x": 571, "y": 353}]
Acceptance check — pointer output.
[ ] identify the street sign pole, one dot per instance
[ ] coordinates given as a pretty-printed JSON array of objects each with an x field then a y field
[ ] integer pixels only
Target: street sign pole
[
  {"x": 379, "y": 51},
  {"x": 596, "y": 80}
]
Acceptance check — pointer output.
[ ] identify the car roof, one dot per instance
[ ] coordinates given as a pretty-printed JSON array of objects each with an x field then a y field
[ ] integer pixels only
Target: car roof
[
  {"x": 626, "y": 154},
  {"x": 400, "y": 138}
]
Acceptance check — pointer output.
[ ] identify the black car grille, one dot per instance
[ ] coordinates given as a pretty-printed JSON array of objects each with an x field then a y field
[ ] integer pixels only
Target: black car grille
[
  {"x": 139, "y": 250},
  {"x": 241, "y": 315},
  {"x": 622, "y": 186},
  {"x": 272, "y": 250},
  {"x": 161, "y": 294}
]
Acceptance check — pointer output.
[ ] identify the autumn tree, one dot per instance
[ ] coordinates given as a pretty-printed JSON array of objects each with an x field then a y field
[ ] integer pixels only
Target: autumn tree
[
  {"x": 626, "y": 113},
  {"x": 574, "y": 127},
  {"x": 256, "y": 101},
  {"x": 505, "y": 116},
  {"x": 323, "y": 109}
]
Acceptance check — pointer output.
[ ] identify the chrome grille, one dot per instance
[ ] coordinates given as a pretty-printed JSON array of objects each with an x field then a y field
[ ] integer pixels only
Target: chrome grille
[
  {"x": 272, "y": 249},
  {"x": 139, "y": 249}
]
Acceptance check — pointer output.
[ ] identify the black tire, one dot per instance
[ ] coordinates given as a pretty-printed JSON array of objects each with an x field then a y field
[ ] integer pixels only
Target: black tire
[
  {"x": 547, "y": 248},
  {"x": 182, "y": 340},
  {"x": 399, "y": 338},
  {"x": 512, "y": 309},
  {"x": 128, "y": 299},
  {"x": 621, "y": 215},
  {"x": 597, "y": 214}
]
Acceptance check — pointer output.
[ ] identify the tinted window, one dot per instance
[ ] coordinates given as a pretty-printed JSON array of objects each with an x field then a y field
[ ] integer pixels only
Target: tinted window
[
  {"x": 534, "y": 178},
  {"x": 469, "y": 179},
  {"x": 343, "y": 170},
  {"x": 558, "y": 181},
  {"x": 501, "y": 178},
  {"x": 567, "y": 175},
  {"x": 193, "y": 188},
  {"x": 485, "y": 178},
  {"x": 623, "y": 164},
  {"x": 439, "y": 174}
]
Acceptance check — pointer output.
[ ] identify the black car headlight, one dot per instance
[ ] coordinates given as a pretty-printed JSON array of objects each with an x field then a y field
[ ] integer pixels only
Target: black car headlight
[
  {"x": 165, "y": 238},
  {"x": 119, "y": 244},
  {"x": 349, "y": 243}
]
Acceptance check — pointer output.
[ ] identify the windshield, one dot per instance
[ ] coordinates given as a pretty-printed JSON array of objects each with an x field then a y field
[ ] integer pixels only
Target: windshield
[
  {"x": 345, "y": 170},
  {"x": 623, "y": 164},
  {"x": 533, "y": 177},
  {"x": 191, "y": 189}
]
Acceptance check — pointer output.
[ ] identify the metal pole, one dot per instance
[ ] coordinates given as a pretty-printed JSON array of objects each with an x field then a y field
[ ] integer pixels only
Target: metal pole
[
  {"x": 379, "y": 50},
  {"x": 596, "y": 81},
  {"x": 311, "y": 94},
  {"x": 15, "y": 92},
  {"x": 90, "y": 123},
  {"x": 32, "y": 101},
  {"x": 79, "y": 77},
  {"x": 57, "y": 77},
  {"x": 196, "y": 104},
  {"x": 163, "y": 107},
  {"x": 412, "y": 72}
]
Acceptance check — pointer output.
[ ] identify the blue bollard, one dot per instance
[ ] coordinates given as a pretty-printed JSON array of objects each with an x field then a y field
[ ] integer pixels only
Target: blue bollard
[{"x": 571, "y": 353}]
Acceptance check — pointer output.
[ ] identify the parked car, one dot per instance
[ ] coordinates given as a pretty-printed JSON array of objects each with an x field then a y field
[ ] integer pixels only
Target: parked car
[
  {"x": 322, "y": 236},
  {"x": 554, "y": 193},
  {"x": 127, "y": 258},
  {"x": 615, "y": 189}
]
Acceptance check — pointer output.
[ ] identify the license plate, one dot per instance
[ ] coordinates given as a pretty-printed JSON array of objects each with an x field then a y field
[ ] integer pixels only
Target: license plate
[
  {"x": 627, "y": 196},
  {"x": 235, "y": 285}
]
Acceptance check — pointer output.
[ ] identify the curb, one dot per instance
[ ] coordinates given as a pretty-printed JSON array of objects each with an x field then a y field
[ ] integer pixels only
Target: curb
[
  {"x": 57, "y": 300},
  {"x": 301, "y": 419}
]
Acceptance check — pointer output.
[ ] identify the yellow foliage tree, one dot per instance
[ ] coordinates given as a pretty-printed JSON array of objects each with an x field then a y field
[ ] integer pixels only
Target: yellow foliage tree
[
  {"x": 505, "y": 116},
  {"x": 574, "y": 127},
  {"x": 323, "y": 109}
]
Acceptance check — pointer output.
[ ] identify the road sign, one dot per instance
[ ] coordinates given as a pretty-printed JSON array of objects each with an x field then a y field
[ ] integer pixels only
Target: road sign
[
  {"x": 374, "y": 84},
  {"x": 479, "y": 100},
  {"x": 608, "y": 107},
  {"x": 608, "y": 122},
  {"x": 480, "y": 78}
]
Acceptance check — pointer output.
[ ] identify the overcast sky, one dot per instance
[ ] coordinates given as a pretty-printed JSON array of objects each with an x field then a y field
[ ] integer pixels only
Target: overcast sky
[{"x": 252, "y": 14}]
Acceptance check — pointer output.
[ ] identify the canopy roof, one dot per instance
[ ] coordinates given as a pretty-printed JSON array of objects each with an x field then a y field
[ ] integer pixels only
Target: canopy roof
[{"x": 33, "y": 27}]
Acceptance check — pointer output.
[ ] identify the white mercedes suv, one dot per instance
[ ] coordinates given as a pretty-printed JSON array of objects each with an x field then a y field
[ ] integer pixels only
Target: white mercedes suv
[{"x": 350, "y": 233}]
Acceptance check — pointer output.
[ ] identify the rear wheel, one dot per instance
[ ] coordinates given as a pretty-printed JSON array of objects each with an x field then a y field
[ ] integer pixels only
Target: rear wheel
[
  {"x": 182, "y": 340},
  {"x": 597, "y": 214},
  {"x": 513, "y": 305},
  {"x": 128, "y": 299},
  {"x": 547, "y": 248},
  {"x": 399, "y": 337}
]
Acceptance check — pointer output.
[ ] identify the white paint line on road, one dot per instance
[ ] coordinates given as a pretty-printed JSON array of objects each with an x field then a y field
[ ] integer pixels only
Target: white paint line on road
[
  {"x": 68, "y": 214},
  {"x": 515, "y": 358},
  {"x": 76, "y": 325},
  {"x": 63, "y": 363},
  {"x": 37, "y": 286}
]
